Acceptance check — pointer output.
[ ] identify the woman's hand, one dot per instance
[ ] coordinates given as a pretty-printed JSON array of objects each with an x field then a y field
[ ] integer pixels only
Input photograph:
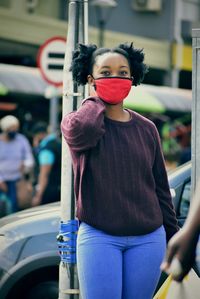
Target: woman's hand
[{"x": 182, "y": 247}]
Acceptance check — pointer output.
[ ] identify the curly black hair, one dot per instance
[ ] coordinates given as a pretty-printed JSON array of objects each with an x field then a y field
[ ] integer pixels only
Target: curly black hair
[{"x": 84, "y": 58}]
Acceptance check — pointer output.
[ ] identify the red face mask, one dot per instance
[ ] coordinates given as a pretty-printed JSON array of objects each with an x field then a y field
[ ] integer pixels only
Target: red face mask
[{"x": 113, "y": 90}]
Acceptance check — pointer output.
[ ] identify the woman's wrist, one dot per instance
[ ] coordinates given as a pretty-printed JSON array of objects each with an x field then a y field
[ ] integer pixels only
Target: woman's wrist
[{"x": 191, "y": 230}]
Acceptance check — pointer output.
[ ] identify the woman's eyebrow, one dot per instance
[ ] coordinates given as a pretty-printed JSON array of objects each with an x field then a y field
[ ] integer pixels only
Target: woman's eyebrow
[
  {"x": 108, "y": 67},
  {"x": 105, "y": 66}
]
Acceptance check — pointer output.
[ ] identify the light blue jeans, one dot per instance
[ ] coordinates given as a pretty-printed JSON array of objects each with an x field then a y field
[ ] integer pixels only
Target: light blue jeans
[{"x": 112, "y": 267}]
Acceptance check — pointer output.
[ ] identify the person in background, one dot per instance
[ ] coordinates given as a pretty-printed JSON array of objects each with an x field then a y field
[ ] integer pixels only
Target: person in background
[
  {"x": 184, "y": 139},
  {"x": 183, "y": 245},
  {"x": 47, "y": 149},
  {"x": 16, "y": 158},
  {"x": 124, "y": 204}
]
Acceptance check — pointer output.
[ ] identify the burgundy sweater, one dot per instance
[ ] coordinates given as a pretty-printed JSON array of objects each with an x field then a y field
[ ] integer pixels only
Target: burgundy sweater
[{"x": 121, "y": 184}]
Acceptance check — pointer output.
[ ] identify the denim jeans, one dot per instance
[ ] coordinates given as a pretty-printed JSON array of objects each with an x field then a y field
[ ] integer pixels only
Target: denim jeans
[{"x": 113, "y": 267}]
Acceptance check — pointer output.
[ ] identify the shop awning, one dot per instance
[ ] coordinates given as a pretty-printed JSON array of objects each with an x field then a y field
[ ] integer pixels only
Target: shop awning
[
  {"x": 150, "y": 98},
  {"x": 21, "y": 79}
]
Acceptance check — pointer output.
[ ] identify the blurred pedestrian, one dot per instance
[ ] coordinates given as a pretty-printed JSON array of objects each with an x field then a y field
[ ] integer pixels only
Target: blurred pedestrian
[
  {"x": 182, "y": 247},
  {"x": 16, "y": 158},
  {"x": 47, "y": 149},
  {"x": 184, "y": 138},
  {"x": 123, "y": 199}
]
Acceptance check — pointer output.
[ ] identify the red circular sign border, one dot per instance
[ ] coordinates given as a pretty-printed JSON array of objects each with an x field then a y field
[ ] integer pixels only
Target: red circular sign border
[{"x": 39, "y": 58}]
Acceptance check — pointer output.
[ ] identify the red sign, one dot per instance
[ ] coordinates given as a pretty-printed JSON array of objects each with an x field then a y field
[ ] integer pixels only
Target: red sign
[{"x": 50, "y": 60}]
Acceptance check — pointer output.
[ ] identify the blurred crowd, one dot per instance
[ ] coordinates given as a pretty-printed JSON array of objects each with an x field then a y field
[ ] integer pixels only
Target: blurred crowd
[
  {"x": 30, "y": 170},
  {"x": 176, "y": 141},
  {"x": 30, "y": 163}
]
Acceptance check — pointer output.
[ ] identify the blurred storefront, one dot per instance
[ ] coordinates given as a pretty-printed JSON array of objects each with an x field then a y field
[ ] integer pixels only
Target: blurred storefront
[
  {"x": 162, "y": 27},
  {"x": 23, "y": 94}
]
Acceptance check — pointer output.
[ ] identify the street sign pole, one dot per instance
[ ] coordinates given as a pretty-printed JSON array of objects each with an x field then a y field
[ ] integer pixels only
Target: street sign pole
[
  {"x": 53, "y": 93},
  {"x": 53, "y": 115},
  {"x": 68, "y": 281},
  {"x": 195, "y": 108}
]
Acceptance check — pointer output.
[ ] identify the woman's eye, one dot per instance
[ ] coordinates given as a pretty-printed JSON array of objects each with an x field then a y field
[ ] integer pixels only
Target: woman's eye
[
  {"x": 123, "y": 73},
  {"x": 105, "y": 73}
]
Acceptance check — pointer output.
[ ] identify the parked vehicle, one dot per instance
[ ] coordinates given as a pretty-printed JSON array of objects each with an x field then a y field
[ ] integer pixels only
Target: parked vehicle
[{"x": 29, "y": 256}]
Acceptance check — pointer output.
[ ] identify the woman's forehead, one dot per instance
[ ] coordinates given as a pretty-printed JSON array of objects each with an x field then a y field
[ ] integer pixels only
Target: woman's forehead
[{"x": 110, "y": 58}]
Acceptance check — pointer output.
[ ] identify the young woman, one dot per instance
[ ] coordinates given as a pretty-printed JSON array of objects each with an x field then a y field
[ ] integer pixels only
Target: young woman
[{"x": 123, "y": 198}]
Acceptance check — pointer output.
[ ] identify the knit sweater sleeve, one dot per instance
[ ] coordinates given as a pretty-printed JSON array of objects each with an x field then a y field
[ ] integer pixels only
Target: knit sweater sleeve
[
  {"x": 163, "y": 191},
  {"x": 83, "y": 128}
]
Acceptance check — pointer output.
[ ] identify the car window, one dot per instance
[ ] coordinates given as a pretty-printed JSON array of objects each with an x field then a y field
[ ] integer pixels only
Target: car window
[{"x": 185, "y": 200}]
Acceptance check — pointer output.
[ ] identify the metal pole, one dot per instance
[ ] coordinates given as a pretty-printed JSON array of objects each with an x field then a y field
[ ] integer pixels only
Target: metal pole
[
  {"x": 53, "y": 114},
  {"x": 175, "y": 74},
  {"x": 101, "y": 24},
  {"x": 85, "y": 3},
  {"x": 77, "y": 32},
  {"x": 195, "y": 108},
  {"x": 52, "y": 93},
  {"x": 83, "y": 36},
  {"x": 101, "y": 33},
  {"x": 86, "y": 34},
  {"x": 66, "y": 278}
]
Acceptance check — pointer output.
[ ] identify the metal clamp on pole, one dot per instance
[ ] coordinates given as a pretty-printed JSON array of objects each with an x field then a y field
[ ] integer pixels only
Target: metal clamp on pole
[{"x": 66, "y": 241}]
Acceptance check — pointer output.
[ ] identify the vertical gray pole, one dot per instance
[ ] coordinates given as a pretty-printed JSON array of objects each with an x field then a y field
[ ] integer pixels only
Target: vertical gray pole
[
  {"x": 83, "y": 36},
  {"x": 85, "y": 24},
  {"x": 53, "y": 117},
  {"x": 77, "y": 32},
  {"x": 195, "y": 108},
  {"x": 69, "y": 104},
  {"x": 175, "y": 74},
  {"x": 101, "y": 33},
  {"x": 85, "y": 40},
  {"x": 52, "y": 93}
]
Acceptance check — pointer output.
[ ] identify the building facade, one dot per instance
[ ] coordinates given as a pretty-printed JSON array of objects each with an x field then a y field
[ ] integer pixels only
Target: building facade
[{"x": 162, "y": 27}]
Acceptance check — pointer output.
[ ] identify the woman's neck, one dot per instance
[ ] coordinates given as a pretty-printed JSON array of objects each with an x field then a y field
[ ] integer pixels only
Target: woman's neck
[{"x": 116, "y": 112}]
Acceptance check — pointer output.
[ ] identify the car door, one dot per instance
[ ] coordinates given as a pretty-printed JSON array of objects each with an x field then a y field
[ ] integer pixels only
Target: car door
[{"x": 184, "y": 202}]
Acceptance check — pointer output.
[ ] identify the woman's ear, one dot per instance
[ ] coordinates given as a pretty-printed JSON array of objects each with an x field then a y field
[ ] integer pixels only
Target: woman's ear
[{"x": 90, "y": 80}]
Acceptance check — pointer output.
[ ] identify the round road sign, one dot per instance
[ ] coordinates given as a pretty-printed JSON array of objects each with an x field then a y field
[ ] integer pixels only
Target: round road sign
[{"x": 50, "y": 60}]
